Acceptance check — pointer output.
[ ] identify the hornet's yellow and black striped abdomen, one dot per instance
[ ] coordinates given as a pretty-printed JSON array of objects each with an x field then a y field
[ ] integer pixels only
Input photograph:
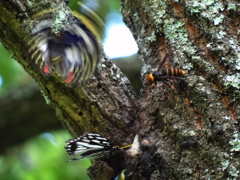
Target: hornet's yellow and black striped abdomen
[
  {"x": 164, "y": 74},
  {"x": 173, "y": 72}
]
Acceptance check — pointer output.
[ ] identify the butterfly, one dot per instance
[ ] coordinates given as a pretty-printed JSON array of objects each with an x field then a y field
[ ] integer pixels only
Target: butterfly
[
  {"x": 90, "y": 145},
  {"x": 73, "y": 53}
]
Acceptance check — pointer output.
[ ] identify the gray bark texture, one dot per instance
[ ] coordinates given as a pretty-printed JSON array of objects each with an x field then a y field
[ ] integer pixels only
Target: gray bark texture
[{"x": 188, "y": 129}]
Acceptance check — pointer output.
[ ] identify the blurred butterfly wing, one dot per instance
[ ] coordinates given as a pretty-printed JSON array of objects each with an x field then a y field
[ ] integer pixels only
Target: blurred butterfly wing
[
  {"x": 84, "y": 52},
  {"x": 73, "y": 53}
]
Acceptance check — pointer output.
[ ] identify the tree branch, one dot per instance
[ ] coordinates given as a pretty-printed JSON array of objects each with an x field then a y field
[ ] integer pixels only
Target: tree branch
[
  {"x": 103, "y": 104},
  {"x": 188, "y": 130}
]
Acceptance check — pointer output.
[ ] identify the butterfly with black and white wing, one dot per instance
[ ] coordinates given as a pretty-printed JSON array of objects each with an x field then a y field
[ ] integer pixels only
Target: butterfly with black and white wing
[
  {"x": 90, "y": 145},
  {"x": 73, "y": 53}
]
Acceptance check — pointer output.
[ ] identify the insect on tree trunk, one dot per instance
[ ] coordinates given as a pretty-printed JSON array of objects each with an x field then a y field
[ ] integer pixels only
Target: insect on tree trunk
[{"x": 189, "y": 130}]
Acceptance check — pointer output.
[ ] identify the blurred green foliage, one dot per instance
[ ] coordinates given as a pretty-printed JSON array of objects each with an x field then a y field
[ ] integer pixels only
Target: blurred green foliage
[
  {"x": 10, "y": 71},
  {"x": 42, "y": 158}
]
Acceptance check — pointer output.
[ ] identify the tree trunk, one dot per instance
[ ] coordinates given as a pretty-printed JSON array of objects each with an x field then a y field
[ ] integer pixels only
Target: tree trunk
[
  {"x": 187, "y": 129},
  {"x": 191, "y": 131}
]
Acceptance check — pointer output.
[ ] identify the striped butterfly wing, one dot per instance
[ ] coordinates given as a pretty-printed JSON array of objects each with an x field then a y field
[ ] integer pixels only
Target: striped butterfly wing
[
  {"x": 72, "y": 51},
  {"x": 91, "y": 145},
  {"x": 73, "y": 54}
]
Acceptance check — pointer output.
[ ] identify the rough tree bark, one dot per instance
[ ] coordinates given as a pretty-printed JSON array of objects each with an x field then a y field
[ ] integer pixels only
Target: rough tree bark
[{"x": 190, "y": 131}]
